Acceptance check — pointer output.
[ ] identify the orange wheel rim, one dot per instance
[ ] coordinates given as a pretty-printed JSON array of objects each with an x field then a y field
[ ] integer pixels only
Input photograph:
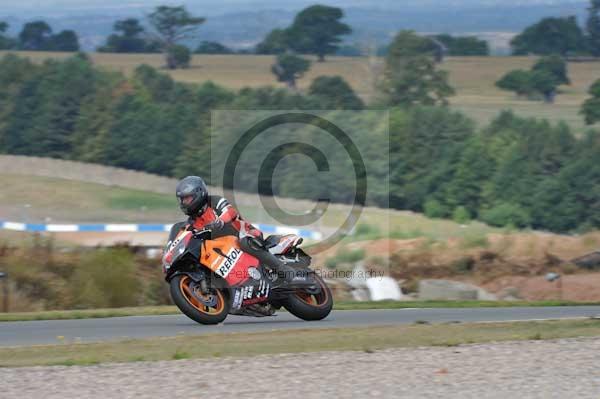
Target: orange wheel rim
[
  {"x": 314, "y": 299},
  {"x": 192, "y": 297},
  {"x": 306, "y": 297}
]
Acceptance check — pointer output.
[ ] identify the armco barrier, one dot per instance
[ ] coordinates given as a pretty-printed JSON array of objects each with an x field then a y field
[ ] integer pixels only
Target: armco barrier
[{"x": 141, "y": 228}]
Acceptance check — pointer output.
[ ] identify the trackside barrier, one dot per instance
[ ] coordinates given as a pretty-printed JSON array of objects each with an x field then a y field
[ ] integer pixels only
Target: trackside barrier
[{"x": 139, "y": 228}]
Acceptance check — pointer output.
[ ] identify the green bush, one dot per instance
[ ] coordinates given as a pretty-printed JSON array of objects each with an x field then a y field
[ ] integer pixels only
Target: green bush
[
  {"x": 335, "y": 93},
  {"x": 475, "y": 241},
  {"x": 506, "y": 214},
  {"x": 461, "y": 215},
  {"x": 346, "y": 256},
  {"x": 106, "y": 278},
  {"x": 591, "y": 107},
  {"x": 331, "y": 263},
  {"x": 178, "y": 57},
  {"x": 406, "y": 235},
  {"x": 367, "y": 231},
  {"x": 434, "y": 209}
]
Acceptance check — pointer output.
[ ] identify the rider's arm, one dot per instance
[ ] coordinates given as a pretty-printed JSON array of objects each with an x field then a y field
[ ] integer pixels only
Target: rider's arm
[{"x": 223, "y": 209}]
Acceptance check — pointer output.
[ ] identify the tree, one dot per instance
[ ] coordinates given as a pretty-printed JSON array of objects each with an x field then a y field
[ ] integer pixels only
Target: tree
[
  {"x": 289, "y": 68},
  {"x": 415, "y": 81},
  {"x": 270, "y": 98},
  {"x": 543, "y": 79},
  {"x": 506, "y": 214},
  {"x": 35, "y": 36},
  {"x": 276, "y": 42},
  {"x": 317, "y": 30},
  {"x": 408, "y": 44},
  {"x": 335, "y": 93},
  {"x": 179, "y": 57},
  {"x": 127, "y": 39},
  {"x": 593, "y": 27},
  {"x": 65, "y": 40},
  {"x": 129, "y": 27},
  {"x": 545, "y": 83},
  {"x": 473, "y": 169},
  {"x": 464, "y": 45},
  {"x": 47, "y": 108},
  {"x": 550, "y": 36},
  {"x": 207, "y": 47},
  {"x": 6, "y": 43},
  {"x": 530, "y": 83},
  {"x": 173, "y": 24},
  {"x": 410, "y": 75},
  {"x": 591, "y": 107},
  {"x": 554, "y": 65},
  {"x": 518, "y": 80},
  {"x": 418, "y": 136}
]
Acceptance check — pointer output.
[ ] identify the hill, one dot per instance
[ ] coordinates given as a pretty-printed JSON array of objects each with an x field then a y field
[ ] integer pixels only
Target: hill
[{"x": 74, "y": 195}]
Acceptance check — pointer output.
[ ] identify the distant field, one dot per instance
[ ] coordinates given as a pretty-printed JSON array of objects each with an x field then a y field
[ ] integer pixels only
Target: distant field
[{"x": 473, "y": 78}]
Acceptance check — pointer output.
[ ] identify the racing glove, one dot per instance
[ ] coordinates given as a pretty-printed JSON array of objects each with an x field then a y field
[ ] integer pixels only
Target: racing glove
[{"x": 216, "y": 225}]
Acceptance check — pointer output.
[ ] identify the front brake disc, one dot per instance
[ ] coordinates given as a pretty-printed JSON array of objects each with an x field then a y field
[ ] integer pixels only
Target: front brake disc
[{"x": 207, "y": 300}]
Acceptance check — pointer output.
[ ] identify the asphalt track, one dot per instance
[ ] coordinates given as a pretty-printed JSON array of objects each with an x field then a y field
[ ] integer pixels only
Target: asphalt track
[{"x": 117, "y": 328}]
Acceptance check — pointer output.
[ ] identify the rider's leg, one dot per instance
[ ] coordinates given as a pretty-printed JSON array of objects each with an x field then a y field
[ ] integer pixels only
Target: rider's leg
[{"x": 255, "y": 247}]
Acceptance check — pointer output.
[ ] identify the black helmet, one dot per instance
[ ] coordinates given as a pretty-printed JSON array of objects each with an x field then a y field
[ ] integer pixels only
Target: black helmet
[{"x": 192, "y": 195}]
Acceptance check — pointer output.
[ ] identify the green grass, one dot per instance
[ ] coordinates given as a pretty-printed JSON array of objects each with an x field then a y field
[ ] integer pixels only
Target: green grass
[
  {"x": 346, "y": 305},
  {"x": 293, "y": 341},
  {"x": 73, "y": 201},
  {"x": 88, "y": 313},
  {"x": 453, "y": 304},
  {"x": 137, "y": 200}
]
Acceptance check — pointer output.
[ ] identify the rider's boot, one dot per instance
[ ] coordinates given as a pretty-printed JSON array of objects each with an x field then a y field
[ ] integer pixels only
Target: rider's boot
[{"x": 256, "y": 247}]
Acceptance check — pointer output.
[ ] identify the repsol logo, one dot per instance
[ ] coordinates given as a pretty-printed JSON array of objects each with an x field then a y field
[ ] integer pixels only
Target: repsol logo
[{"x": 231, "y": 259}]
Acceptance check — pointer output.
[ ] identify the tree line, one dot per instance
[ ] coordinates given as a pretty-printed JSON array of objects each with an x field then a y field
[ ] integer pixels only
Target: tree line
[
  {"x": 315, "y": 30},
  {"x": 38, "y": 36},
  {"x": 514, "y": 172},
  {"x": 561, "y": 35},
  {"x": 556, "y": 40}
]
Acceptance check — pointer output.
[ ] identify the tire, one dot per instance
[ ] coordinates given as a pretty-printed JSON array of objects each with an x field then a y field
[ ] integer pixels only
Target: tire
[
  {"x": 192, "y": 307},
  {"x": 317, "y": 308}
]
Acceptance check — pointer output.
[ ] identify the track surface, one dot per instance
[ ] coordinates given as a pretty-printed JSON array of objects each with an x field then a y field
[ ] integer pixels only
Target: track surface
[{"x": 93, "y": 330}]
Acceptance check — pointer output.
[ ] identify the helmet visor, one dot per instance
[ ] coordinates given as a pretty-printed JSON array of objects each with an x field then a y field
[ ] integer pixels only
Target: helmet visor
[{"x": 186, "y": 200}]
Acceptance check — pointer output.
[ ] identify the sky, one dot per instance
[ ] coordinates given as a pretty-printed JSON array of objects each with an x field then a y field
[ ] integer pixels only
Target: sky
[{"x": 216, "y": 7}]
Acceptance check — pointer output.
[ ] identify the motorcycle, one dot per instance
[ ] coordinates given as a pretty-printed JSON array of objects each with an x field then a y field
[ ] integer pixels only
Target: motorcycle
[{"x": 212, "y": 278}]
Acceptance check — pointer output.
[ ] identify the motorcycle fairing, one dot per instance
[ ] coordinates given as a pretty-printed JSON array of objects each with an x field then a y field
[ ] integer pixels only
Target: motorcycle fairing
[{"x": 225, "y": 258}]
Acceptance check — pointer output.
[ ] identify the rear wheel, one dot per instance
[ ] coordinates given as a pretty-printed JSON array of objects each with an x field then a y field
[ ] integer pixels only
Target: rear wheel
[
  {"x": 205, "y": 308},
  {"x": 310, "y": 304}
]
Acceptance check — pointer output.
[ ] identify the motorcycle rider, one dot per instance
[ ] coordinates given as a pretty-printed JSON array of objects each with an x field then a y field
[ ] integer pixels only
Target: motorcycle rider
[{"x": 215, "y": 213}]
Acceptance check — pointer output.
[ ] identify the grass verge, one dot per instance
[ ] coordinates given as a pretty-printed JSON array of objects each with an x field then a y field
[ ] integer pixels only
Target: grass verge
[
  {"x": 453, "y": 304},
  {"x": 89, "y": 313},
  {"x": 347, "y": 305},
  {"x": 293, "y": 341}
]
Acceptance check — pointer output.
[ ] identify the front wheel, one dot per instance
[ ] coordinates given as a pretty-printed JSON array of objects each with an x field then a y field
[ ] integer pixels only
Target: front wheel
[
  {"x": 310, "y": 304},
  {"x": 210, "y": 308}
]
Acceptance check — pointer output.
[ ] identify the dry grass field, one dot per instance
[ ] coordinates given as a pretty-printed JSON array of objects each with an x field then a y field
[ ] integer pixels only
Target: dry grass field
[{"x": 473, "y": 78}]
